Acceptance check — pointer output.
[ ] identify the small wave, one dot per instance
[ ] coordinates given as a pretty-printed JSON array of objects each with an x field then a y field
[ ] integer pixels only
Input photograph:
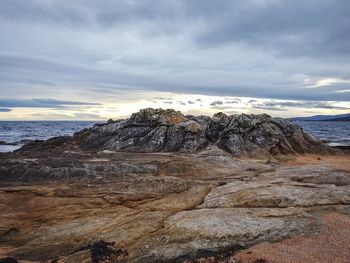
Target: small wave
[{"x": 20, "y": 133}]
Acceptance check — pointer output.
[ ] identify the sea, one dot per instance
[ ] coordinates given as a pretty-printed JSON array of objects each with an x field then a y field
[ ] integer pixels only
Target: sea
[
  {"x": 14, "y": 134},
  {"x": 332, "y": 132}
]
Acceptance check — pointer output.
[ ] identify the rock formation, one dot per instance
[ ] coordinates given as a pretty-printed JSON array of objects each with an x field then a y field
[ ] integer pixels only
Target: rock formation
[
  {"x": 158, "y": 207},
  {"x": 164, "y": 187},
  {"x": 157, "y": 130}
]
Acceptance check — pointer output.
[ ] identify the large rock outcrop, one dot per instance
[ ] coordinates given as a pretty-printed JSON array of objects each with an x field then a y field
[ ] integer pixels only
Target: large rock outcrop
[{"x": 158, "y": 130}]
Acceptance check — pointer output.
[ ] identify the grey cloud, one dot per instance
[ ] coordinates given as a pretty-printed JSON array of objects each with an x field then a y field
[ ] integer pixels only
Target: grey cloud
[
  {"x": 41, "y": 103},
  {"x": 261, "y": 49},
  {"x": 288, "y": 27},
  {"x": 233, "y": 101},
  {"x": 190, "y": 102},
  {"x": 5, "y": 110},
  {"x": 221, "y": 108},
  {"x": 308, "y": 104},
  {"x": 87, "y": 116},
  {"x": 92, "y": 14},
  {"x": 215, "y": 103},
  {"x": 311, "y": 28},
  {"x": 277, "y": 105},
  {"x": 270, "y": 108},
  {"x": 56, "y": 70},
  {"x": 62, "y": 116},
  {"x": 19, "y": 70},
  {"x": 162, "y": 98}
]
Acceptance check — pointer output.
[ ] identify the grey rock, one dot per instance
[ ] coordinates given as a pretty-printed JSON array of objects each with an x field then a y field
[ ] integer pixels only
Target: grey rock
[
  {"x": 158, "y": 130},
  {"x": 205, "y": 232}
]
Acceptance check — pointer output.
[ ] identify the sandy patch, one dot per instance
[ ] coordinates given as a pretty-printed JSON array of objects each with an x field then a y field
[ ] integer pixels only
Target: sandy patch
[
  {"x": 338, "y": 161},
  {"x": 331, "y": 244}
]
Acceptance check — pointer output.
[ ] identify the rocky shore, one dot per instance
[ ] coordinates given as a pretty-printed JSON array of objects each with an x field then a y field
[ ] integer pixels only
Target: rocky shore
[
  {"x": 158, "y": 130},
  {"x": 165, "y": 187}
]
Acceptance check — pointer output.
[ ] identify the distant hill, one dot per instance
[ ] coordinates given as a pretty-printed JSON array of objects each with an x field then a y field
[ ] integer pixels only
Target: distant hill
[
  {"x": 339, "y": 117},
  {"x": 346, "y": 118}
]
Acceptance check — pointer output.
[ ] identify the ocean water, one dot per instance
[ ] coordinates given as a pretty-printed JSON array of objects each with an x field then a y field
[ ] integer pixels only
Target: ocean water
[
  {"x": 18, "y": 133},
  {"x": 333, "y": 133}
]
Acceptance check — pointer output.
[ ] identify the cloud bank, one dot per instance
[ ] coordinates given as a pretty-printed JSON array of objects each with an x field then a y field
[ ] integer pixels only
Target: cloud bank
[
  {"x": 41, "y": 103},
  {"x": 93, "y": 51}
]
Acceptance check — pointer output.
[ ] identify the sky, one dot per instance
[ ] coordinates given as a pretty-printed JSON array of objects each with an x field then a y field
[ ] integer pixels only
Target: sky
[{"x": 101, "y": 59}]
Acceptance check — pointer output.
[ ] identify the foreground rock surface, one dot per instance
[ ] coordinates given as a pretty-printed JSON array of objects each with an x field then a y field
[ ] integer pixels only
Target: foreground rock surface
[
  {"x": 163, "y": 207},
  {"x": 158, "y": 130}
]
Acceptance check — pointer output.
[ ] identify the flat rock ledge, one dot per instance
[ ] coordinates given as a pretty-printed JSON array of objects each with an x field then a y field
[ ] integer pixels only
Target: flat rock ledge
[
  {"x": 158, "y": 130},
  {"x": 162, "y": 207}
]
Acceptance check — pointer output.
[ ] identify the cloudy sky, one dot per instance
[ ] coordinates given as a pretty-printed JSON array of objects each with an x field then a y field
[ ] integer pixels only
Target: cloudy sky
[{"x": 85, "y": 59}]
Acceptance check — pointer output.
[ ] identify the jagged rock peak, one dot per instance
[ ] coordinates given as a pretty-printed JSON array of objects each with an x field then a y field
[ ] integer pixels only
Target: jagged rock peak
[{"x": 156, "y": 117}]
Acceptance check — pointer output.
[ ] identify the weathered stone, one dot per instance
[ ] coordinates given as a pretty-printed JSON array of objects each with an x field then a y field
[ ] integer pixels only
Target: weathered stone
[
  {"x": 160, "y": 207},
  {"x": 205, "y": 232},
  {"x": 155, "y": 117},
  {"x": 166, "y": 188},
  {"x": 275, "y": 194},
  {"x": 157, "y": 130}
]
